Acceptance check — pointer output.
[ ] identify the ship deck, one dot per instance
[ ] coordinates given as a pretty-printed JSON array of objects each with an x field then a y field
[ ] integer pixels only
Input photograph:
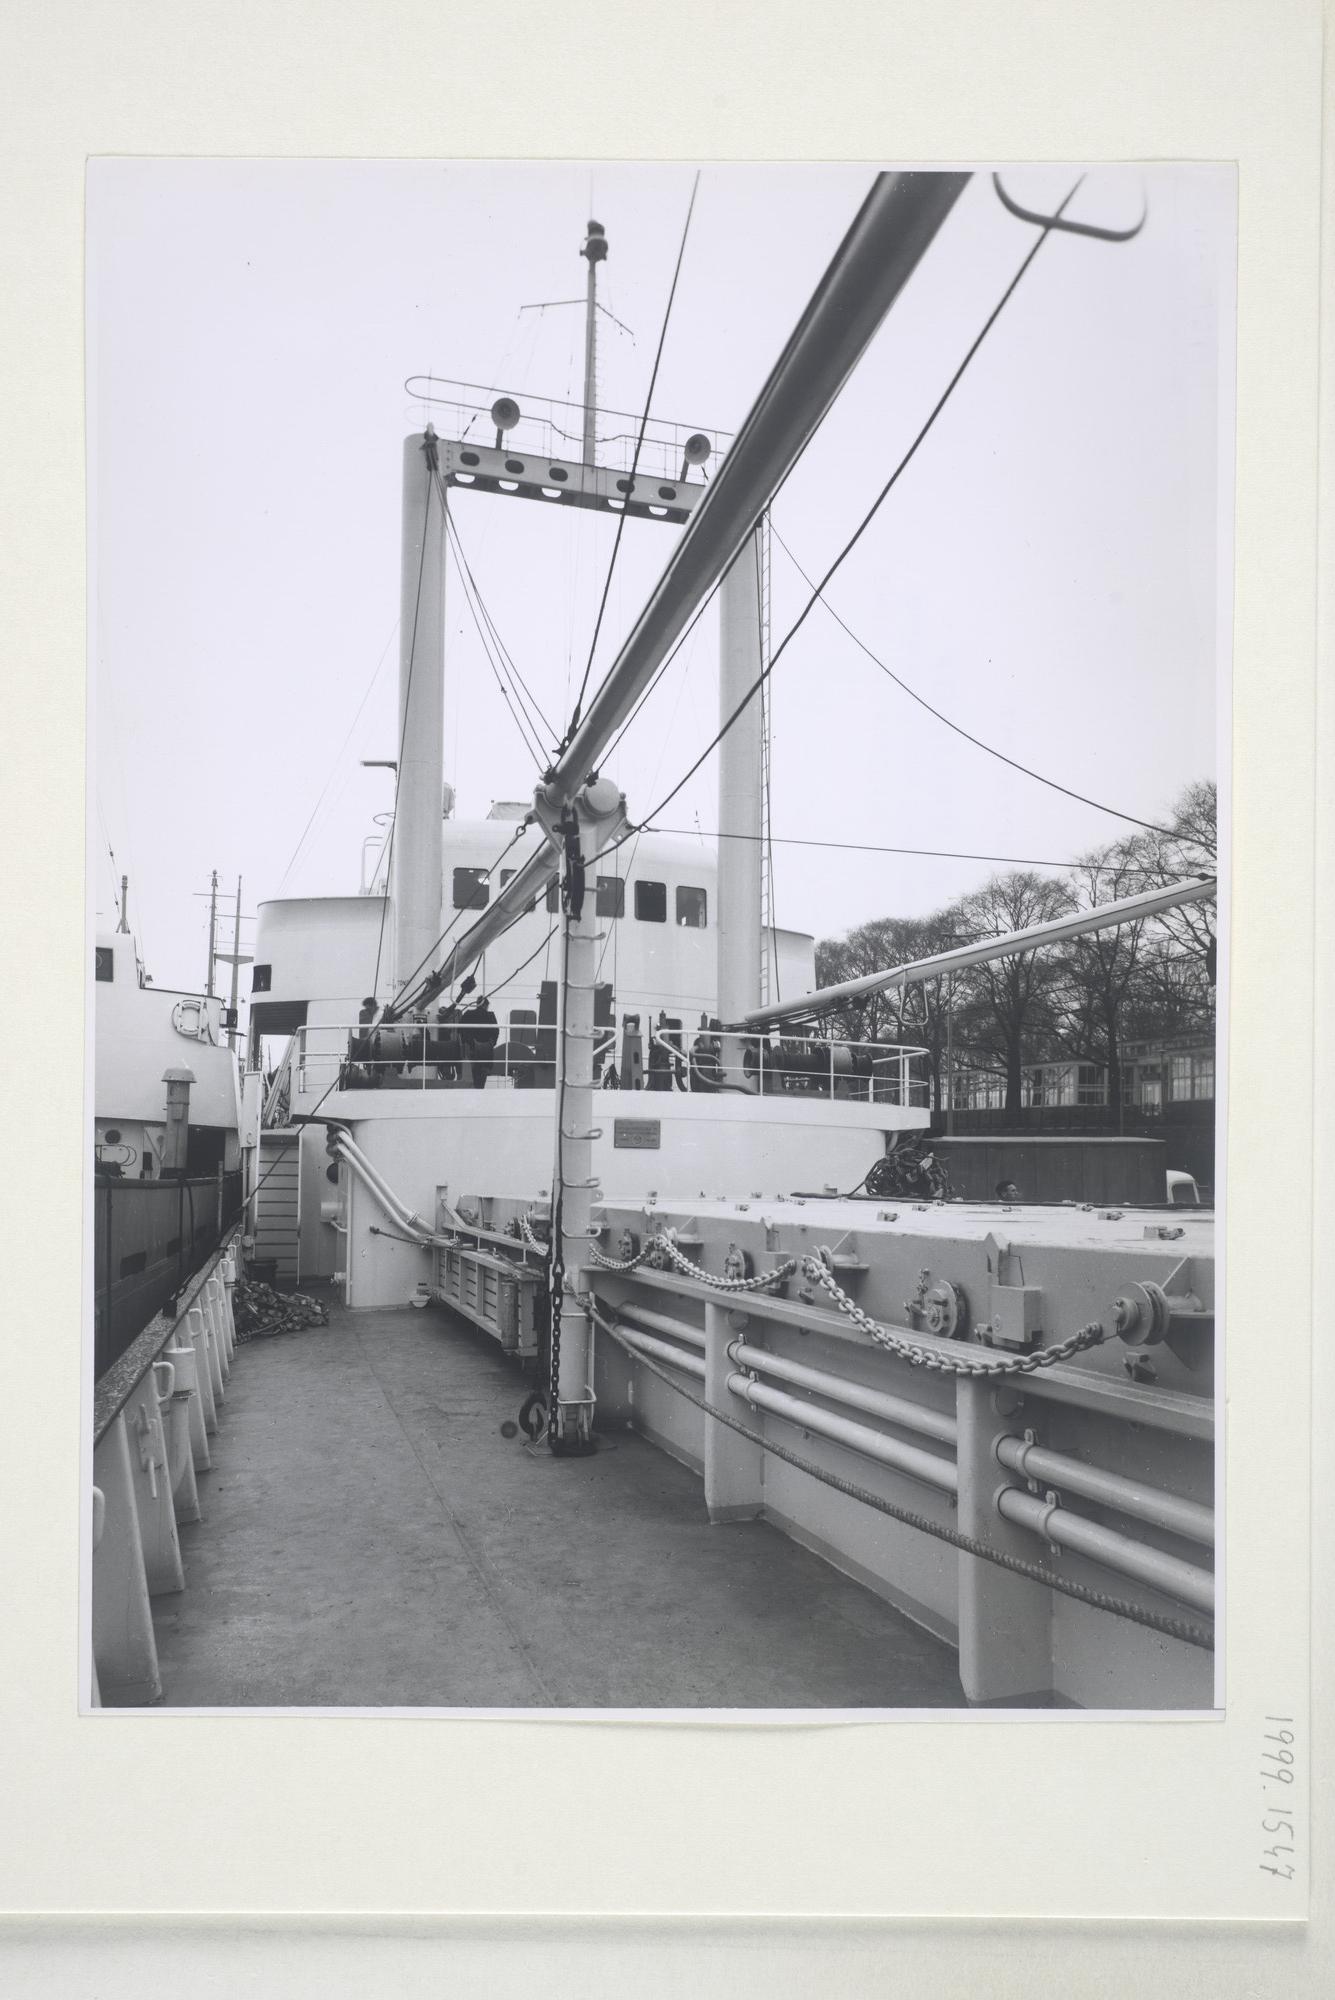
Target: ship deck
[{"x": 372, "y": 1540}]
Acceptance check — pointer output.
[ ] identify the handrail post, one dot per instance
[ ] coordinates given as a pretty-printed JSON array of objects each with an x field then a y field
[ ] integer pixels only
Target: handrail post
[
  {"x": 1005, "y": 1620},
  {"x": 733, "y": 1464},
  {"x": 125, "y": 1653}
]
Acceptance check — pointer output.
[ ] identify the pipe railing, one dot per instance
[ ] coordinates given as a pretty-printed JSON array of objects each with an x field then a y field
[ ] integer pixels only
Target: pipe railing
[
  {"x": 755, "y": 1371},
  {"x": 428, "y": 1056},
  {"x": 154, "y": 1413},
  {"x": 1066, "y": 1530},
  {"x": 662, "y": 1350},
  {"x": 1132, "y": 1497}
]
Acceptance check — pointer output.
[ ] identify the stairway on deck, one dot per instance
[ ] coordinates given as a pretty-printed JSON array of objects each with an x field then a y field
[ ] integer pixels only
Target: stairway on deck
[{"x": 371, "y": 1540}]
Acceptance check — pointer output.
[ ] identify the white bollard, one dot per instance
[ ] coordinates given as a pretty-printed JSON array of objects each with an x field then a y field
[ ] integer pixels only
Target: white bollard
[
  {"x": 198, "y": 1335},
  {"x": 186, "y": 1363},
  {"x": 125, "y": 1654}
]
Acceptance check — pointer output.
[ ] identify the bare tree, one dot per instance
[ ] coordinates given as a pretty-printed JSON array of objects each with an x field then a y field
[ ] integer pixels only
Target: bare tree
[{"x": 1002, "y": 1007}]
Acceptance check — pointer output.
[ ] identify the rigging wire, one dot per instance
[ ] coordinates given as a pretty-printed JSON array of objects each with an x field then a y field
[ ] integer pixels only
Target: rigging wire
[
  {"x": 927, "y": 853},
  {"x": 634, "y": 464},
  {"x": 1150, "y": 826},
  {"x": 407, "y": 992},
  {"x": 872, "y": 511},
  {"x": 511, "y": 977},
  {"x": 339, "y": 756},
  {"x": 524, "y": 693},
  {"x": 619, "y": 738},
  {"x": 527, "y": 735}
]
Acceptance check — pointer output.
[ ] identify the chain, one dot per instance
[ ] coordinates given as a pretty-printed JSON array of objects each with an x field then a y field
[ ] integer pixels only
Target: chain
[
  {"x": 533, "y": 1242},
  {"x": 943, "y": 1363},
  {"x": 690, "y": 1270},
  {"x": 1185, "y": 1629},
  {"x": 624, "y": 1263},
  {"x": 917, "y": 1356},
  {"x": 663, "y": 1246}
]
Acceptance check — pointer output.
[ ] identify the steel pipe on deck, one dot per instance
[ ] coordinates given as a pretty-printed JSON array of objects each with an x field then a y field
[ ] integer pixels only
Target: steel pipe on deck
[
  {"x": 658, "y": 1322},
  {"x": 876, "y": 1402},
  {"x": 907, "y": 1458},
  {"x": 662, "y": 1350},
  {"x": 1132, "y": 1497},
  {"x": 1065, "y": 1530}
]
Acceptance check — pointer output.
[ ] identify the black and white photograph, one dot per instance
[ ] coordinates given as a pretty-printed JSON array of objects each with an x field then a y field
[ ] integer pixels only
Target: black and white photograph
[{"x": 658, "y": 851}]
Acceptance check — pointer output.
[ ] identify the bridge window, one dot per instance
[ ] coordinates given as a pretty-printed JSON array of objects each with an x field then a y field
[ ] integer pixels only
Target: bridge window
[
  {"x": 651, "y": 902},
  {"x": 691, "y": 909},
  {"x": 471, "y": 889},
  {"x": 261, "y": 978},
  {"x": 104, "y": 963},
  {"x": 611, "y": 896}
]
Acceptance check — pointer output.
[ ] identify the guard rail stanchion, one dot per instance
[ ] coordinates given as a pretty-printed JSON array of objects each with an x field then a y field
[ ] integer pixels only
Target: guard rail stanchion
[
  {"x": 733, "y": 1464},
  {"x": 198, "y": 1334},
  {"x": 150, "y": 1471},
  {"x": 125, "y": 1654},
  {"x": 99, "y": 1523},
  {"x": 227, "y": 1274},
  {"x": 216, "y": 1368},
  {"x": 186, "y": 1363},
  {"x": 1005, "y": 1620},
  {"x": 214, "y": 1291},
  {"x": 174, "y": 1401}
]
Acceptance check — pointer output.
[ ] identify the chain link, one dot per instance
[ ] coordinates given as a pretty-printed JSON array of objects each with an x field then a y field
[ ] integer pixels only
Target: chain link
[
  {"x": 624, "y": 1263},
  {"x": 935, "y": 1359},
  {"x": 1185, "y": 1629},
  {"x": 663, "y": 1246}
]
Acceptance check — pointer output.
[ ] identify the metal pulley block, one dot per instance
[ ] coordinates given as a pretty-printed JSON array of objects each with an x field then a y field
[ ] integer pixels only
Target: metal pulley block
[
  {"x": 945, "y": 1310},
  {"x": 737, "y": 1263},
  {"x": 1142, "y": 1314},
  {"x": 628, "y": 1246},
  {"x": 942, "y": 1308}
]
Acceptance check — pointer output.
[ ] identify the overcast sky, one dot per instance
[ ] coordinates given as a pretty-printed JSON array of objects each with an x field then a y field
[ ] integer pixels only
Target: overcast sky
[{"x": 1047, "y": 572}]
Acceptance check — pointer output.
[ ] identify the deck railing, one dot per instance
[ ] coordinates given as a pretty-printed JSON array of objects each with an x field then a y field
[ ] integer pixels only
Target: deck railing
[
  {"x": 148, "y": 1237},
  {"x": 155, "y": 1409},
  {"x": 433, "y": 1056}
]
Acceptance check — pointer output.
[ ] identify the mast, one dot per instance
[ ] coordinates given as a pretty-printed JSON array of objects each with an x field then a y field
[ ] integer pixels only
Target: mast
[
  {"x": 740, "y": 853},
  {"x": 416, "y": 880},
  {"x": 213, "y": 929},
  {"x": 890, "y": 234},
  {"x": 595, "y": 250},
  {"x": 236, "y": 963},
  {"x": 124, "y": 924}
]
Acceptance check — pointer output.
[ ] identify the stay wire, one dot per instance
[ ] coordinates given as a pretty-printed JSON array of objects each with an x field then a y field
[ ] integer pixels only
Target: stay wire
[
  {"x": 926, "y": 853},
  {"x": 338, "y": 759},
  {"x": 872, "y": 511},
  {"x": 527, "y": 736},
  {"x": 634, "y": 466},
  {"x": 1151, "y": 826},
  {"x": 407, "y": 991},
  {"x": 533, "y": 710}
]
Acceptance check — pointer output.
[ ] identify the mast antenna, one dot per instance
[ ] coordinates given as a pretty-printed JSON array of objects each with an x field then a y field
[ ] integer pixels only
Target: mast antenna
[{"x": 595, "y": 250}]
